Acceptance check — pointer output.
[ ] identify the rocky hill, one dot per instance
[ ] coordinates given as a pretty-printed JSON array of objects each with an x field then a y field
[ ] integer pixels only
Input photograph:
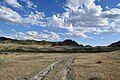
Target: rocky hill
[
  {"x": 5, "y": 40},
  {"x": 66, "y": 42},
  {"x": 115, "y": 44},
  {"x": 68, "y": 46}
]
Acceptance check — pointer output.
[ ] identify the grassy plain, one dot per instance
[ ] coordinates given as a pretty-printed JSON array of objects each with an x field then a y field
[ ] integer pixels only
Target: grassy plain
[
  {"x": 18, "y": 66},
  {"x": 102, "y": 66},
  {"x": 85, "y": 66}
]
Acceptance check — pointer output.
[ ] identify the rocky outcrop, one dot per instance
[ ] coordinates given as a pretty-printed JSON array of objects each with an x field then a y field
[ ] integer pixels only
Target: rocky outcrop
[
  {"x": 116, "y": 44},
  {"x": 66, "y": 46},
  {"x": 67, "y": 42}
]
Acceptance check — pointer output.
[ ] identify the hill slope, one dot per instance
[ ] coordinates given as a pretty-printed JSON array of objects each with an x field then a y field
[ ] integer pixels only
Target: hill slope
[
  {"x": 66, "y": 42},
  {"x": 115, "y": 44},
  {"x": 69, "y": 46}
]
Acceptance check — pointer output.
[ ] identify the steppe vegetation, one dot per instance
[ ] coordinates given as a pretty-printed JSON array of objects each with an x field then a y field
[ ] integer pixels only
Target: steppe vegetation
[{"x": 59, "y": 66}]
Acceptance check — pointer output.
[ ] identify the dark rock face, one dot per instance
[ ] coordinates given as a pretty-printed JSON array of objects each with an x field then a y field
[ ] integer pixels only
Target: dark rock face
[
  {"x": 116, "y": 44},
  {"x": 69, "y": 42}
]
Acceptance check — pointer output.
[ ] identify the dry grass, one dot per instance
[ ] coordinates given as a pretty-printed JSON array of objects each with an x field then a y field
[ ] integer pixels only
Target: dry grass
[
  {"x": 20, "y": 66},
  {"x": 92, "y": 66},
  {"x": 32, "y": 48},
  {"x": 13, "y": 46},
  {"x": 103, "y": 66}
]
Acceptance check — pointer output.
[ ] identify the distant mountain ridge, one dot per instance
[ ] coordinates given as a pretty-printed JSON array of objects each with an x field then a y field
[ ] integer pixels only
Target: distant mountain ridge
[
  {"x": 4, "y": 38},
  {"x": 9, "y": 40},
  {"x": 115, "y": 44},
  {"x": 67, "y": 42},
  {"x": 66, "y": 46}
]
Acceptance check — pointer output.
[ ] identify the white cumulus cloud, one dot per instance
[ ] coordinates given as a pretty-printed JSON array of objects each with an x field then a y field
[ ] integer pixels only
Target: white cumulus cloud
[
  {"x": 8, "y": 15},
  {"x": 34, "y": 35},
  {"x": 118, "y": 5},
  {"x": 30, "y": 4},
  {"x": 80, "y": 17},
  {"x": 13, "y": 3},
  {"x": 83, "y": 16}
]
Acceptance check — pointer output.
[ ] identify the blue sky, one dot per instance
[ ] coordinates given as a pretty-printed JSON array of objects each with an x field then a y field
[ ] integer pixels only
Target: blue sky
[{"x": 90, "y": 22}]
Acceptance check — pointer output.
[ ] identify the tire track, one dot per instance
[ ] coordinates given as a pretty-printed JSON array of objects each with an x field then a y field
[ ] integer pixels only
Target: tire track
[
  {"x": 45, "y": 71},
  {"x": 63, "y": 75}
]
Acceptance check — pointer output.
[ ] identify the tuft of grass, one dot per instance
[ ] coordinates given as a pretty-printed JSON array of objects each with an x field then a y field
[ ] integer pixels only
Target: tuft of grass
[
  {"x": 94, "y": 78},
  {"x": 99, "y": 62}
]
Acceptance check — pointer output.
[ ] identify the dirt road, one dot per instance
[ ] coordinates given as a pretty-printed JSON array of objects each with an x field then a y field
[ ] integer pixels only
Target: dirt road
[
  {"x": 62, "y": 74},
  {"x": 45, "y": 71}
]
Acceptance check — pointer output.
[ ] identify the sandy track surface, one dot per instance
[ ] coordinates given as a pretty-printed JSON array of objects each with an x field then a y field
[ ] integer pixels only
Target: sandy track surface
[
  {"x": 45, "y": 71},
  {"x": 63, "y": 75}
]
